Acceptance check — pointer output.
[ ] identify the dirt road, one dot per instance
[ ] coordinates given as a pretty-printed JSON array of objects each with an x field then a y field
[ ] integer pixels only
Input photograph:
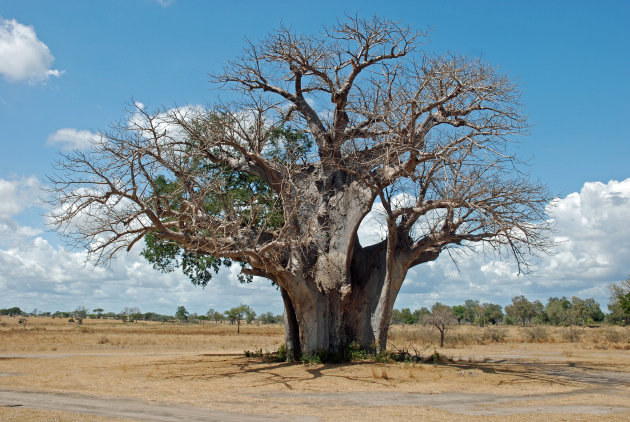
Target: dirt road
[
  {"x": 453, "y": 402},
  {"x": 128, "y": 408}
]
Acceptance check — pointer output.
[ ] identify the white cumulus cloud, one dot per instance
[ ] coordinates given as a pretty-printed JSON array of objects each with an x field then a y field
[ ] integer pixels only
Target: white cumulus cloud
[
  {"x": 70, "y": 139},
  {"x": 593, "y": 232},
  {"x": 23, "y": 57},
  {"x": 592, "y": 251},
  {"x": 16, "y": 195}
]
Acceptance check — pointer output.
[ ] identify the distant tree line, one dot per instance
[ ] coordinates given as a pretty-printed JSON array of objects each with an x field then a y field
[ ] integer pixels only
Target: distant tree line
[
  {"x": 557, "y": 311},
  {"x": 234, "y": 315},
  {"x": 15, "y": 311}
]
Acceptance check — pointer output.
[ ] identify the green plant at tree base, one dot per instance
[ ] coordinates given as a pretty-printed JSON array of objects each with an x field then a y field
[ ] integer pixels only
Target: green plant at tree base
[{"x": 353, "y": 352}]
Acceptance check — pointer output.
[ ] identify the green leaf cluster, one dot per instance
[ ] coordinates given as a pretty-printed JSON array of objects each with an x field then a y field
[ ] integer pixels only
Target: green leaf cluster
[{"x": 243, "y": 198}]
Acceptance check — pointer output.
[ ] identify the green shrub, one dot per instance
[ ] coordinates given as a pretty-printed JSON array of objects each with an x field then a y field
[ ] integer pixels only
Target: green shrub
[
  {"x": 254, "y": 354},
  {"x": 313, "y": 359},
  {"x": 282, "y": 353},
  {"x": 354, "y": 351}
]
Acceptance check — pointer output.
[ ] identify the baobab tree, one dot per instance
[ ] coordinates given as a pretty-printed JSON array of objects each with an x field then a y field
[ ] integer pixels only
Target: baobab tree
[{"x": 325, "y": 128}]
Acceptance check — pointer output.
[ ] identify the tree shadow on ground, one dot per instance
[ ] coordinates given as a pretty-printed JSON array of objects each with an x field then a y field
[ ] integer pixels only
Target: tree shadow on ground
[
  {"x": 568, "y": 373},
  {"x": 208, "y": 367},
  {"x": 230, "y": 365}
]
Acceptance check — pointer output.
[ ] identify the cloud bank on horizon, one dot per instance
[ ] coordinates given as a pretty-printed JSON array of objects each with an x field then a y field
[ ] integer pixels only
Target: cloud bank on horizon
[
  {"x": 593, "y": 250},
  {"x": 23, "y": 57}
]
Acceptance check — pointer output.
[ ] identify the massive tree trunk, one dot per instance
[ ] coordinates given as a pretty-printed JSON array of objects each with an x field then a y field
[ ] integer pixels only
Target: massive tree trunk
[
  {"x": 355, "y": 308},
  {"x": 335, "y": 306},
  {"x": 332, "y": 305}
]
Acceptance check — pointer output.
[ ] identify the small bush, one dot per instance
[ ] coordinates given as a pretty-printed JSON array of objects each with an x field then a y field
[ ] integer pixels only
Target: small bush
[
  {"x": 354, "y": 351},
  {"x": 536, "y": 334},
  {"x": 571, "y": 335},
  {"x": 463, "y": 337},
  {"x": 494, "y": 334},
  {"x": 613, "y": 335},
  {"x": 383, "y": 357},
  {"x": 254, "y": 354},
  {"x": 414, "y": 334},
  {"x": 282, "y": 353},
  {"x": 436, "y": 357},
  {"x": 314, "y": 359},
  {"x": 404, "y": 354}
]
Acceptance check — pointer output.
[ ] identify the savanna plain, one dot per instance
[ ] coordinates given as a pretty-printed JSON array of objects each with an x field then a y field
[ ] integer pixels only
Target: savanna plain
[{"x": 106, "y": 370}]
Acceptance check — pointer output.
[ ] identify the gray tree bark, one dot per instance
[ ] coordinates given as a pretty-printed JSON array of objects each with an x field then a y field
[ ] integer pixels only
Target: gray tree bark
[{"x": 291, "y": 328}]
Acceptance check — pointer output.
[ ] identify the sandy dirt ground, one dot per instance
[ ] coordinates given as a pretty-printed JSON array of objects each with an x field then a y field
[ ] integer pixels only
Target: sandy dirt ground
[{"x": 108, "y": 372}]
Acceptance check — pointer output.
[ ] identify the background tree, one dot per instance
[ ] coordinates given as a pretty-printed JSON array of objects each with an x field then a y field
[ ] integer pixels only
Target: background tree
[
  {"x": 218, "y": 317},
  {"x": 491, "y": 313},
  {"x": 326, "y": 127},
  {"x": 129, "y": 310},
  {"x": 11, "y": 311},
  {"x": 583, "y": 311},
  {"x": 407, "y": 316},
  {"x": 215, "y": 316},
  {"x": 99, "y": 312},
  {"x": 250, "y": 315},
  {"x": 470, "y": 310},
  {"x": 620, "y": 300},
  {"x": 557, "y": 310},
  {"x": 80, "y": 312},
  {"x": 397, "y": 317},
  {"x": 270, "y": 318},
  {"x": 136, "y": 316},
  {"x": 521, "y": 310},
  {"x": 418, "y": 315},
  {"x": 459, "y": 311},
  {"x": 442, "y": 318},
  {"x": 181, "y": 314},
  {"x": 235, "y": 315}
]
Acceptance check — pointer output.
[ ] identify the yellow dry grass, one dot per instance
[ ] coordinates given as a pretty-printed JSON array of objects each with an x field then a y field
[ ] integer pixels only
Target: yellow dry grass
[
  {"x": 464, "y": 336},
  {"x": 204, "y": 365},
  {"x": 43, "y": 334},
  {"x": 16, "y": 414}
]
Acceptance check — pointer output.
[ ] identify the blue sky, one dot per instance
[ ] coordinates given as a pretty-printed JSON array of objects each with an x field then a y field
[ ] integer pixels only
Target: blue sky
[{"x": 85, "y": 60}]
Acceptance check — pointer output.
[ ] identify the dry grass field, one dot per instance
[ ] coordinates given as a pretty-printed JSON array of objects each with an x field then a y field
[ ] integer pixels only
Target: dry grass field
[{"x": 109, "y": 371}]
